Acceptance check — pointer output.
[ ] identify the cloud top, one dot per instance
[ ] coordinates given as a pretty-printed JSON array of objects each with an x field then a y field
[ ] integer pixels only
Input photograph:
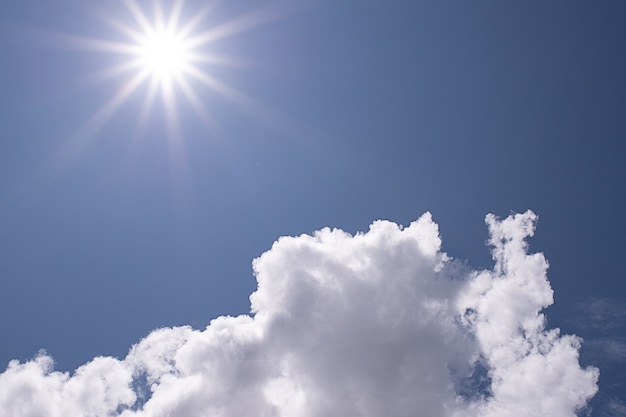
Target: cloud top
[{"x": 379, "y": 323}]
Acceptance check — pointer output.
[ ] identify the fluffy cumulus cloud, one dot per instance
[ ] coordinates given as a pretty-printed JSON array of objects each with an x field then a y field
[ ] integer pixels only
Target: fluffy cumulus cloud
[{"x": 377, "y": 324}]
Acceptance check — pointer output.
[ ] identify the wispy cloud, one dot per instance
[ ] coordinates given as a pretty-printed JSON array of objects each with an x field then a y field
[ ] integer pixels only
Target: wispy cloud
[
  {"x": 604, "y": 321},
  {"x": 605, "y": 349},
  {"x": 614, "y": 408},
  {"x": 379, "y": 323},
  {"x": 602, "y": 314}
]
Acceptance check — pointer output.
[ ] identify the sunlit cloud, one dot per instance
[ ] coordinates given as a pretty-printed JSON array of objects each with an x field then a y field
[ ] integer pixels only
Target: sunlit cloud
[{"x": 372, "y": 324}]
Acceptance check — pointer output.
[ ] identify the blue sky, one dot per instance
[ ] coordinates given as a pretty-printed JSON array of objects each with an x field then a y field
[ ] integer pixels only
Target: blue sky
[{"x": 347, "y": 112}]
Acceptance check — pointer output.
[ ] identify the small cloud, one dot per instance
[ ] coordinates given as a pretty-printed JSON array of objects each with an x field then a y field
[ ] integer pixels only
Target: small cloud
[
  {"x": 602, "y": 314},
  {"x": 614, "y": 408},
  {"x": 607, "y": 349},
  {"x": 375, "y": 324}
]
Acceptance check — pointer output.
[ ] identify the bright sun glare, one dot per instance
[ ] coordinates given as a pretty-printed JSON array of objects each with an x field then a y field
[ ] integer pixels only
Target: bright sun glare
[
  {"x": 168, "y": 52},
  {"x": 164, "y": 55}
]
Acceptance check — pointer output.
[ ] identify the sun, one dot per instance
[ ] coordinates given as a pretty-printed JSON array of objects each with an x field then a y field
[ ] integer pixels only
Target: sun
[
  {"x": 161, "y": 45},
  {"x": 167, "y": 51},
  {"x": 164, "y": 55}
]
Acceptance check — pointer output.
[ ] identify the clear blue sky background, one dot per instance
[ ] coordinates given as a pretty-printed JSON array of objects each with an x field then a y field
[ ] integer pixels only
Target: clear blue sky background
[{"x": 383, "y": 110}]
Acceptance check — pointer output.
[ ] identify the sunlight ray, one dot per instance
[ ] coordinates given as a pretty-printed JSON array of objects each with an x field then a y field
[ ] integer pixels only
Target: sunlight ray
[
  {"x": 133, "y": 34},
  {"x": 110, "y": 107},
  {"x": 90, "y": 44},
  {"x": 116, "y": 70},
  {"x": 171, "y": 114},
  {"x": 161, "y": 50},
  {"x": 139, "y": 16},
  {"x": 217, "y": 59},
  {"x": 159, "y": 18},
  {"x": 254, "y": 108},
  {"x": 148, "y": 104},
  {"x": 195, "y": 21},
  {"x": 220, "y": 87},
  {"x": 174, "y": 18},
  {"x": 233, "y": 27},
  {"x": 197, "y": 105}
]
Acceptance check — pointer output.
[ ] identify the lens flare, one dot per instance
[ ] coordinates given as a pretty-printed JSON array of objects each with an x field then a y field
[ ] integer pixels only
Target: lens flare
[{"x": 168, "y": 51}]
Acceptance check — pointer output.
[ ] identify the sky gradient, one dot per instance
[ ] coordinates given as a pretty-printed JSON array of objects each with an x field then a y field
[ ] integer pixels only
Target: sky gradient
[{"x": 344, "y": 113}]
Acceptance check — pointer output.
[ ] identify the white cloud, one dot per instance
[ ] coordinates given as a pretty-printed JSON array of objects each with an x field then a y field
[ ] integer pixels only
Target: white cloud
[{"x": 380, "y": 323}]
